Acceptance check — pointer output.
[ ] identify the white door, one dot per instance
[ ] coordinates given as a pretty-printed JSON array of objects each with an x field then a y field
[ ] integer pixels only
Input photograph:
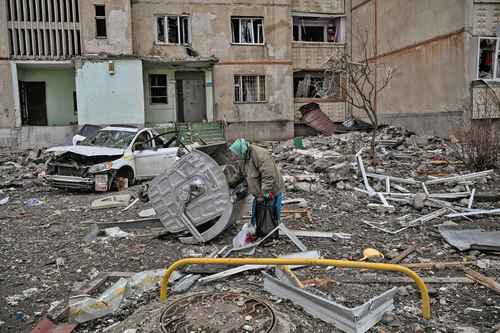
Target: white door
[{"x": 151, "y": 162}]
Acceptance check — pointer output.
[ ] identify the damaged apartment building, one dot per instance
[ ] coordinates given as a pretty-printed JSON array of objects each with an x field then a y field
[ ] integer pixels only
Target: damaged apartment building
[
  {"x": 446, "y": 54},
  {"x": 248, "y": 65}
]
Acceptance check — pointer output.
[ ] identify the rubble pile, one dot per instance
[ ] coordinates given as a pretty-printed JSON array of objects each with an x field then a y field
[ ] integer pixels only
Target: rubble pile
[
  {"x": 417, "y": 206},
  {"x": 22, "y": 168}
]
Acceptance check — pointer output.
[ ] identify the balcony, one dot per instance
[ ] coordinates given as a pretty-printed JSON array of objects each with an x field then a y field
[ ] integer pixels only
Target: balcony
[
  {"x": 319, "y": 6},
  {"x": 312, "y": 55}
]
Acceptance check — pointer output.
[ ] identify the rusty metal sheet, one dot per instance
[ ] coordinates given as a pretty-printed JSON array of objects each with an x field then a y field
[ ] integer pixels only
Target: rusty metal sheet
[{"x": 314, "y": 117}]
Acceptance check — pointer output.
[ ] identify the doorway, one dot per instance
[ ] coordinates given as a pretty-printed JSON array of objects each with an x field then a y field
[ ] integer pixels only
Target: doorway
[
  {"x": 33, "y": 103},
  {"x": 191, "y": 96}
]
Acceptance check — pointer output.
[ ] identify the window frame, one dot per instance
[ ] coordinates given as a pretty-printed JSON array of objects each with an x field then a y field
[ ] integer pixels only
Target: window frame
[
  {"x": 342, "y": 19},
  {"x": 496, "y": 58},
  {"x": 179, "y": 29},
  {"x": 240, "y": 83},
  {"x": 150, "y": 87},
  {"x": 252, "y": 18},
  {"x": 100, "y": 18}
]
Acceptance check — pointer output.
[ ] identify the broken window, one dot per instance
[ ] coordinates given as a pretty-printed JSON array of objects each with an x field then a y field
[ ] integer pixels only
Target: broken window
[
  {"x": 100, "y": 21},
  {"x": 173, "y": 30},
  {"x": 318, "y": 29},
  {"x": 489, "y": 59},
  {"x": 316, "y": 84},
  {"x": 158, "y": 93},
  {"x": 247, "y": 30},
  {"x": 249, "y": 88}
]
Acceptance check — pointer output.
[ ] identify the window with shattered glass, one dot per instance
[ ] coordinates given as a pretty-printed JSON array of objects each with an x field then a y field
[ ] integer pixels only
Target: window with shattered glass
[
  {"x": 247, "y": 30},
  {"x": 489, "y": 59},
  {"x": 173, "y": 30},
  {"x": 318, "y": 29}
]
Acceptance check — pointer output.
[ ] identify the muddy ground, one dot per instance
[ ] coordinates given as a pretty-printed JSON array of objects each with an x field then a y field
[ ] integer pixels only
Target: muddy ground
[{"x": 33, "y": 238}]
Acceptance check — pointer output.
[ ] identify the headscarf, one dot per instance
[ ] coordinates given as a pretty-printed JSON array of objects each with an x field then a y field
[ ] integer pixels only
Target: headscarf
[{"x": 240, "y": 148}]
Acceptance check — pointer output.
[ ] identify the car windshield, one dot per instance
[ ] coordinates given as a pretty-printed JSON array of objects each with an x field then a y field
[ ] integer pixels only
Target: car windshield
[{"x": 110, "y": 139}]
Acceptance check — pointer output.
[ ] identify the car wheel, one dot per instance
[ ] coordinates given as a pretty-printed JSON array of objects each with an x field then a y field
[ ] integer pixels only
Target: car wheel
[{"x": 128, "y": 173}]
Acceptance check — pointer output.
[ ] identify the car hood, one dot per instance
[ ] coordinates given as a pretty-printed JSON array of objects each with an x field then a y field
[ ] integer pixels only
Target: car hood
[{"x": 88, "y": 150}]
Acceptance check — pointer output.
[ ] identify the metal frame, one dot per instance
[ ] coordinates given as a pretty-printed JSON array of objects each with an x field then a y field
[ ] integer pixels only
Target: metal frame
[
  {"x": 495, "y": 58},
  {"x": 165, "y": 29},
  {"x": 254, "y": 38},
  {"x": 353, "y": 320},
  {"x": 424, "y": 293}
]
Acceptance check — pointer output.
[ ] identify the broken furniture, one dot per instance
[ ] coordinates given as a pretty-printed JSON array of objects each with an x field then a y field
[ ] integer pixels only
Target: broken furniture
[
  {"x": 426, "y": 306},
  {"x": 356, "y": 320},
  {"x": 194, "y": 196}
]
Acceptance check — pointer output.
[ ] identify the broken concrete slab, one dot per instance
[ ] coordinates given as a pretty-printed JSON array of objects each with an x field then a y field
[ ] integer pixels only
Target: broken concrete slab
[
  {"x": 352, "y": 320},
  {"x": 113, "y": 201},
  {"x": 470, "y": 238},
  {"x": 147, "y": 212}
]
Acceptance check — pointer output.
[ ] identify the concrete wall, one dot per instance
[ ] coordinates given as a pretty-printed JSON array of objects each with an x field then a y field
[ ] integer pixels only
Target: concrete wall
[
  {"x": 118, "y": 27},
  {"x": 319, "y": 6},
  {"x": 425, "y": 41},
  {"x": 279, "y": 104},
  {"x": 211, "y": 29},
  {"x": 105, "y": 98},
  {"x": 211, "y": 37},
  {"x": 4, "y": 39},
  {"x": 59, "y": 88},
  {"x": 313, "y": 55},
  {"x": 7, "y": 103},
  {"x": 486, "y": 17}
]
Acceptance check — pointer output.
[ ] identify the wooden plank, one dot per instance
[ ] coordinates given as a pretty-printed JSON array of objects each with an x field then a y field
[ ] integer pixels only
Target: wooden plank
[
  {"x": 484, "y": 280},
  {"x": 431, "y": 280},
  {"x": 437, "y": 265},
  {"x": 403, "y": 254}
]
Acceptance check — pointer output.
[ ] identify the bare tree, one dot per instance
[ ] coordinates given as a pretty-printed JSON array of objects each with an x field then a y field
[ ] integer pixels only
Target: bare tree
[
  {"x": 476, "y": 142},
  {"x": 363, "y": 80}
]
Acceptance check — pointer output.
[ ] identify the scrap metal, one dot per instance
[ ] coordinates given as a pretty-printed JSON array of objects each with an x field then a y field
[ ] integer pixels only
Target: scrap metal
[
  {"x": 426, "y": 306},
  {"x": 192, "y": 194},
  {"x": 470, "y": 238},
  {"x": 352, "y": 320}
]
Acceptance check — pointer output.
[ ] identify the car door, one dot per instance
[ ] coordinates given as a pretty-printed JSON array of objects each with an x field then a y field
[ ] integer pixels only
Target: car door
[{"x": 150, "y": 160}]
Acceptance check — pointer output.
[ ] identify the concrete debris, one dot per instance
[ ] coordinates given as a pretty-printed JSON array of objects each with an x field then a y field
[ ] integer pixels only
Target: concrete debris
[
  {"x": 353, "y": 320},
  {"x": 333, "y": 188},
  {"x": 147, "y": 212},
  {"x": 470, "y": 238},
  {"x": 115, "y": 232},
  {"x": 113, "y": 201},
  {"x": 83, "y": 308},
  {"x": 3, "y": 198}
]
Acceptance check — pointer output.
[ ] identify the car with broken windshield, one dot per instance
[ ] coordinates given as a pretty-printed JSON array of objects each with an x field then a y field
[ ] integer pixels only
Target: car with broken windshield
[{"x": 99, "y": 161}]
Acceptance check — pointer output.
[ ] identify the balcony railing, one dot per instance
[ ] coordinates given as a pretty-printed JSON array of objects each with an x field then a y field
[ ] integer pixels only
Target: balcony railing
[{"x": 47, "y": 29}]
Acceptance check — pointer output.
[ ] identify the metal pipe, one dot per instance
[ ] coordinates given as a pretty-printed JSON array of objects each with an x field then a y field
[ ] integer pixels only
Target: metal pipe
[{"x": 426, "y": 306}]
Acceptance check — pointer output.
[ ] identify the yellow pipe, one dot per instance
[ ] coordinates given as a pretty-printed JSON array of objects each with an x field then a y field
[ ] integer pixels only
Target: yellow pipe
[{"x": 426, "y": 306}]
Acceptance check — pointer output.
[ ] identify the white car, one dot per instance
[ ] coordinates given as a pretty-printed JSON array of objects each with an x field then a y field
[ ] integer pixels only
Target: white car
[{"x": 96, "y": 162}]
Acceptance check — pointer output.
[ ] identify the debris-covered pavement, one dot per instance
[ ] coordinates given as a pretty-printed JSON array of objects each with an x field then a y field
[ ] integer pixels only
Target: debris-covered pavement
[{"x": 409, "y": 208}]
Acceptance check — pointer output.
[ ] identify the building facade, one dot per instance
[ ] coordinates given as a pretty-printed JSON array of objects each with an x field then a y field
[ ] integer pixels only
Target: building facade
[
  {"x": 446, "y": 53},
  {"x": 249, "y": 64}
]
